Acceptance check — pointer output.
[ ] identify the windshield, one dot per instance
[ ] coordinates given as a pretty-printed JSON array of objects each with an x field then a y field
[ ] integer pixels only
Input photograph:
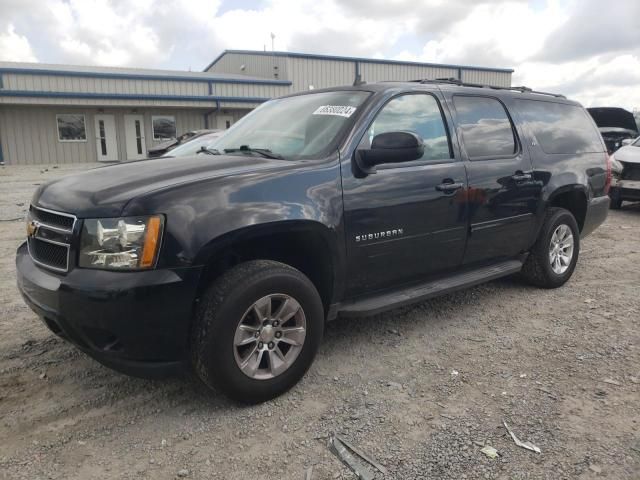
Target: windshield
[
  {"x": 294, "y": 127},
  {"x": 636, "y": 143},
  {"x": 192, "y": 147}
]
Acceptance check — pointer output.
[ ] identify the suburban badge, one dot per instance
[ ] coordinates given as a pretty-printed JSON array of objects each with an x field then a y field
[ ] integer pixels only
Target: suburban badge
[{"x": 396, "y": 232}]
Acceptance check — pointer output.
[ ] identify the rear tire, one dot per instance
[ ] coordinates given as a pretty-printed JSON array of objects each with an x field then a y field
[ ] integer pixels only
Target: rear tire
[
  {"x": 553, "y": 257},
  {"x": 245, "y": 302}
]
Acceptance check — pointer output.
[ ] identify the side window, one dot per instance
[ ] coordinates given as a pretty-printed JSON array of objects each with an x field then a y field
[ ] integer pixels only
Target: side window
[
  {"x": 418, "y": 113},
  {"x": 486, "y": 128},
  {"x": 559, "y": 127}
]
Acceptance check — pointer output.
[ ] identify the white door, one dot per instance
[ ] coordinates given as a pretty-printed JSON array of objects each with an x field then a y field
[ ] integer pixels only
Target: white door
[
  {"x": 106, "y": 142},
  {"x": 134, "y": 137},
  {"x": 224, "y": 121}
]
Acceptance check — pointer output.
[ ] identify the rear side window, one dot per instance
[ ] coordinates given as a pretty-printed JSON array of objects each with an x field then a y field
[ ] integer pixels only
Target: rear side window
[
  {"x": 486, "y": 128},
  {"x": 560, "y": 128}
]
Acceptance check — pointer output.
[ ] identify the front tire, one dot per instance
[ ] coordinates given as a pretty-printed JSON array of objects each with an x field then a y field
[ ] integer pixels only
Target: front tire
[
  {"x": 553, "y": 257},
  {"x": 616, "y": 202},
  {"x": 257, "y": 330}
]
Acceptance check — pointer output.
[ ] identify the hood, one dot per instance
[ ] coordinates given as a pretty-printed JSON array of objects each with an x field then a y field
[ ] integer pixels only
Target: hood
[
  {"x": 628, "y": 154},
  {"x": 104, "y": 191},
  {"x": 163, "y": 146},
  {"x": 613, "y": 117}
]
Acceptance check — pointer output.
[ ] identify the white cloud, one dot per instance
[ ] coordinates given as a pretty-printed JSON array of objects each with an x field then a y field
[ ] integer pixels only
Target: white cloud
[
  {"x": 15, "y": 47},
  {"x": 509, "y": 32},
  {"x": 559, "y": 45}
]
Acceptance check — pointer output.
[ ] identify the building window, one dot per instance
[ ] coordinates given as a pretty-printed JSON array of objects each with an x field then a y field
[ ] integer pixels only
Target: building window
[
  {"x": 164, "y": 126},
  {"x": 71, "y": 127},
  {"x": 103, "y": 138}
]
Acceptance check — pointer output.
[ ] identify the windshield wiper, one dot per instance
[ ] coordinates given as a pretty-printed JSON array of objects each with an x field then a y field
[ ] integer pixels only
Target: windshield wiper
[
  {"x": 265, "y": 152},
  {"x": 208, "y": 151}
]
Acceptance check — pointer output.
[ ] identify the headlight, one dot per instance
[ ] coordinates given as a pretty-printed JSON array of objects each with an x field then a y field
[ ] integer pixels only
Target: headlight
[
  {"x": 129, "y": 243},
  {"x": 616, "y": 166}
]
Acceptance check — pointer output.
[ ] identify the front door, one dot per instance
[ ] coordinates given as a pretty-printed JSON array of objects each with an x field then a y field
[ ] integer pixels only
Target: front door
[
  {"x": 106, "y": 143},
  {"x": 407, "y": 221},
  {"x": 502, "y": 195},
  {"x": 134, "y": 137}
]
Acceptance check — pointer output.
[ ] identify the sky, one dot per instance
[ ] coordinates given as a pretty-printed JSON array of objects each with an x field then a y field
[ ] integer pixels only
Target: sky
[{"x": 588, "y": 50}]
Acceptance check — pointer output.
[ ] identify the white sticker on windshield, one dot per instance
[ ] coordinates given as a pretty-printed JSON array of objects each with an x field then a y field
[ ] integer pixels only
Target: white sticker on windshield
[{"x": 340, "y": 110}]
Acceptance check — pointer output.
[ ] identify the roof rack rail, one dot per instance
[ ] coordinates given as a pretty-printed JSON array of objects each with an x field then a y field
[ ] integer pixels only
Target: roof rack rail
[{"x": 455, "y": 81}]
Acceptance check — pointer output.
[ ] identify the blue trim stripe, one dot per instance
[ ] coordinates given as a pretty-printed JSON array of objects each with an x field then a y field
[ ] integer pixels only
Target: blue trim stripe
[
  {"x": 355, "y": 59},
  {"x": 138, "y": 76},
  {"x": 1, "y": 156},
  {"x": 127, "y": 96}
]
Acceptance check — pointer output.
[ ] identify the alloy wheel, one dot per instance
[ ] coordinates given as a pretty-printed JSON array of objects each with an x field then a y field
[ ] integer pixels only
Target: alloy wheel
[
  {"x": 270, "y": 336},
  {"x": 561, "y": 249}
]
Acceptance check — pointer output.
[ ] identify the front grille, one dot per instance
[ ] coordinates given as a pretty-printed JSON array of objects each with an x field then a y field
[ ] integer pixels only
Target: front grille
[
  {"x": 630, "y": 171},
  {"x": 50, "y": 238},
  {"x": 49, "y": 254},
  {"x": 53, "y": 219}
]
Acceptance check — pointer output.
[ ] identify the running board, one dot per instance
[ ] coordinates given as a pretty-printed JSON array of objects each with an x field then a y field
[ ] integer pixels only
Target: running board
[{"x": 418, "y": 293}]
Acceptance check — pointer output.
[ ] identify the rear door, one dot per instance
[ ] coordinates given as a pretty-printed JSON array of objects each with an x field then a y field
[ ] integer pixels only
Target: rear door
[
  {"x": 502, "y": 194},
  {"x": 406, "y": 221}
]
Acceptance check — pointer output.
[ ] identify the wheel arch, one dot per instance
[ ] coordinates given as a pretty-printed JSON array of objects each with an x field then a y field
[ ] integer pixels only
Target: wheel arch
[
  {"x": 306, "y": 245},
  {"x": 573, "y": 198}
]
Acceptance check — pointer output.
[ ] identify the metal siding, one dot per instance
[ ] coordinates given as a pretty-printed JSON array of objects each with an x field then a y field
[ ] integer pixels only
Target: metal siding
[
  {"x": 98, "y": 102},
  {"x": 319, "y": 73},
  {"x": 239, "y": 105},
  {"x": 250, "y": 91},
  {"x": 49, "y": 83},
  {"x": 500, "y": 79},
  {"x": 379, "y": 72},
  {"x": 29, "y": 136},
  {"x": 255, "y": 65}
]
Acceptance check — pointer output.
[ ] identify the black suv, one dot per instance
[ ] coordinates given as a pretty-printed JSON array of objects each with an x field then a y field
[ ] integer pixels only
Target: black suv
[{"x": 338, "y": 202}]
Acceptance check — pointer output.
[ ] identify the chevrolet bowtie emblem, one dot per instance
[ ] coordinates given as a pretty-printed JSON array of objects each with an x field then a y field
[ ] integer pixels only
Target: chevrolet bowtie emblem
[{"x": 32, "y": 228}]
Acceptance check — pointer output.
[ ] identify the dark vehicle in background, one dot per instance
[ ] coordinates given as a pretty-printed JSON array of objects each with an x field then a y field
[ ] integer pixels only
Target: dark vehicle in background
[
  {"x": 625, "y": 185},
  {"x": 196, "y": 145},
  {"x": 166, "y": 146},
  {"x": 615, "y": 125},
  {"x": 333, "y": 203}
]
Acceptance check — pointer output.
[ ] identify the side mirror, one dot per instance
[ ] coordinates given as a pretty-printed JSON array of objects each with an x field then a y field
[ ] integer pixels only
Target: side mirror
[
  {"x": 627, "y": 141},
  {"x": 390, "y": 147}
]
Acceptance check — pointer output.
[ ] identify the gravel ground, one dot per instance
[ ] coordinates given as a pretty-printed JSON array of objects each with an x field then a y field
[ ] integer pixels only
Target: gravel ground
[{"x": 420, "y": 389}]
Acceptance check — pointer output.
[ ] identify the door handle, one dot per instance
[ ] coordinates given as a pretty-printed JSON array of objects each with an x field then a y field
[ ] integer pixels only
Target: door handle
[
  {"x": 449, "y": 187},
  {"x": 521, "y": 177}
]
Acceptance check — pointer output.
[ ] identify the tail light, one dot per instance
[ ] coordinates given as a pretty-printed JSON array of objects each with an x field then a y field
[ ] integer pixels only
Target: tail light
[{"x": 607, "y": 182}]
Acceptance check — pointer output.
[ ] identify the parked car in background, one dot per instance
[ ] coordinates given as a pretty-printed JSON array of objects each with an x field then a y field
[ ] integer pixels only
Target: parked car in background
[
  {"x": 172, "y": 143},
  {"x": 615, "y": 125},
  {"x": 200, "y": 144},
  {"x": 625, "y": 167}
]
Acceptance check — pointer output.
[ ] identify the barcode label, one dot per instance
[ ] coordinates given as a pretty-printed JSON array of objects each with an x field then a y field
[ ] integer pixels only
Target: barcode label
[{"x": 339, "y": 110}]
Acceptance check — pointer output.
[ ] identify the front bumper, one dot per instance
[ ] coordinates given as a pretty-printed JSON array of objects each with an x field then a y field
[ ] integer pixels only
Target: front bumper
[
  {"x": 597, "y": 211},
  {"x": 134, "y": 322},
  {"x": 626, "y": 190}
]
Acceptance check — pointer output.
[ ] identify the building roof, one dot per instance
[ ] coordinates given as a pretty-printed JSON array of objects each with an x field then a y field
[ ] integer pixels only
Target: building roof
[
  {"x": 353, "y": 59},
  {"x": 131, "y": 73}
]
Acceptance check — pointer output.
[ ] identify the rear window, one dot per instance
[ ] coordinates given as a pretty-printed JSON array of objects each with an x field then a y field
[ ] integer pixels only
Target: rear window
[
  {"x": 560, "y": 128},
  {"x": 486, "y": 127}
]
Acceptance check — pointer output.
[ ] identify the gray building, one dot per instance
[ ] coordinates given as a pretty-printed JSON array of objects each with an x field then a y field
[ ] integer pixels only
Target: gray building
[{"x": 70, "y": 114}]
